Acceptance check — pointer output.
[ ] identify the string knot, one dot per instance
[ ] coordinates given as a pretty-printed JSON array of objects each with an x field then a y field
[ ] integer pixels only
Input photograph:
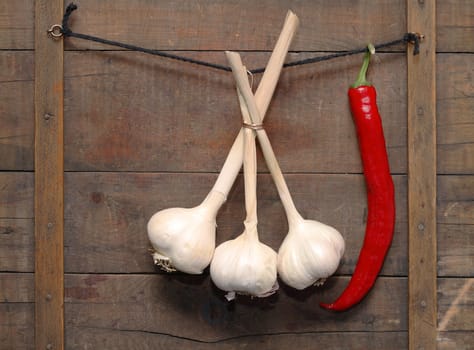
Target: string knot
[{"x": 413, "y": 38}]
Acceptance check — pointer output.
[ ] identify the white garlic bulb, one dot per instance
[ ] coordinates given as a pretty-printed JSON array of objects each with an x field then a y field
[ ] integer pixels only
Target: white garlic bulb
[
  {"x": 309, "y": 254},
  {"x": 244, "y": 265},
  {"x": 184, "y": 238}
]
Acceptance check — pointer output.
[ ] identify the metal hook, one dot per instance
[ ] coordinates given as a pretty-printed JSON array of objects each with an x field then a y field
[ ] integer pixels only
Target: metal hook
[{"x": 55, "y": 32}]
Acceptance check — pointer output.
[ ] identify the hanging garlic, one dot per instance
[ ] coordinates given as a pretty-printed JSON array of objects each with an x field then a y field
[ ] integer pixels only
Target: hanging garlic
[
  {"x": 184, "y": 238},
  {"x": 244, "y": 265},
  {"x": 311, "y": 251}
]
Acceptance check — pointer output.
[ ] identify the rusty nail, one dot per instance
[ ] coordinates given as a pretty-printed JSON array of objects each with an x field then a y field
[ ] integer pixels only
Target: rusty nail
[
  {"x": 49, "y": 297},
  {"x": 47, "y": 116},
  {"x": 421, "y": 2},
  {"x": 420, "y": 111},
  {"x": 49, "y": 347},
  {"x": 421, "y": 227},
  {"x": 423, "y": 304},
  {"x": 50, "y": 225}
]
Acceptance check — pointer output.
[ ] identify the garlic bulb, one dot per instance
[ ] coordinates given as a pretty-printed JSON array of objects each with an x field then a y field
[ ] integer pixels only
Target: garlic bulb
[
  {"x": 309, "y": 254},
  {"x": 311, "y": 251},
  {"x": 184, "y": 238},
  {"x": 245, "y": 266}
]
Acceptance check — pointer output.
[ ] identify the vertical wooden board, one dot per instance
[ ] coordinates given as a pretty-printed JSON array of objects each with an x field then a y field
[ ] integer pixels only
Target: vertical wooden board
[
  {"x": 422, "y": 177},
  {"x": 49, "y": 259}
]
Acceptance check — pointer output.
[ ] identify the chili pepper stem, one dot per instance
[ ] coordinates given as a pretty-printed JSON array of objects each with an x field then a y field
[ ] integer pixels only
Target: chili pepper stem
[{"x": 362, "y": 77}]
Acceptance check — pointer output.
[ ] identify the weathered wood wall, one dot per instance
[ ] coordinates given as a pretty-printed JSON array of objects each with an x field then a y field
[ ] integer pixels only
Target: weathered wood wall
[{"x": 143, "y": 134}]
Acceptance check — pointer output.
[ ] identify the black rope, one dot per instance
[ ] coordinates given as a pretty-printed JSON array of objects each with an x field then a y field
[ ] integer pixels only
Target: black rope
[{"x": 412, "y": 38}]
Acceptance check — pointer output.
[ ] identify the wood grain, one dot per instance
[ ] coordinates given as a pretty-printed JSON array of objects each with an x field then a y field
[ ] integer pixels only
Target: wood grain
[
  {"x": 207, "y": 24},
  {"x": 454, "y": 26},
  {"x": 220, "y": 25},
  {"x": 49, "y": 180},
  {"x": 17, "y": 24},
  {"x": 16, "y": 110},
  {"x": 16, "y": 195},
  {"x": 135, "y": 340},
  {"x": 86, "y": 88},
  {"x": 455, "y": 106},
  {"x": 106, "y": 215},
  {"x": 456, "y": 304},
  {"x": 145, "y": 129},
  {"x": 455, "y": 200},
  {"x": 144, "y": 309},
  {"x": 455, "y": 340},
  {"x": 190, "y": 307},
  {"x": 17, "y": 245},
  {"x": 422, "y": 251},
  {"x": 17, "y": 326}
]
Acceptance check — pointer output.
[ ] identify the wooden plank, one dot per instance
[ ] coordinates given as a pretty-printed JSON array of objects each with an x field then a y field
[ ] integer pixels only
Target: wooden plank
[
  {"x": 455, "y": 125},
  {"x": 304, "y": 97},
  {"x": 191, "y": 307},
  {"x": 422, "y": 178},
  {"x": 160, "y": 112},
  {"x": 17, "y": 245},
  {"x": 455, "y": 340},
  {"x": 455, "y": 204},
  {"x": 220, "y": 25},
  {"x": 112, "y": 339},
  {"x": 17, "y": 326},
  {"x": 17, "y": 288},
  {"x": 16, "y": 110},
  {"x": 455, "y": 225},
  {"x": 17, "y": 24},
  {"x": 136, "y": 295},
  {"x": 16, "y": 195},
  {"x": 198, "y": 25},
  {"x": 454, "y": 26},
  {"x": 49, "y": 196},
  {"x": 107, "y": 213},
  {"x": 456, "y": 304},
  {"x": 456, "y": 250}
]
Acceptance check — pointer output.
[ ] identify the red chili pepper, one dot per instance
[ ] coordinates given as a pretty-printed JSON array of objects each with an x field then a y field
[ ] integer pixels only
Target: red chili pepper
[{"x": 380, "y": 192}]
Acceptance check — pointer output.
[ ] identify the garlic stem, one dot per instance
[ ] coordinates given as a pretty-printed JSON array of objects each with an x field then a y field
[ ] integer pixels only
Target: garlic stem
[
  {"x": 263, "y": 96},
  {"x": 253, "y": 115}
]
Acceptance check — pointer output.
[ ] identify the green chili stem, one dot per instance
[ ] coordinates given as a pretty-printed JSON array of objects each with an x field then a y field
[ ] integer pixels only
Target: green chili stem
[{"x": 362, "y": 77}]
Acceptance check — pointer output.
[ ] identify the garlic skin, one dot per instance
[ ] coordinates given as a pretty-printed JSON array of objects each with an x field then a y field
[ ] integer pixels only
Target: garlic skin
[
  {"x": 244, "y": 265},
  {"x": 309, "y": 254},
  {"x": 184, "y": 239}
]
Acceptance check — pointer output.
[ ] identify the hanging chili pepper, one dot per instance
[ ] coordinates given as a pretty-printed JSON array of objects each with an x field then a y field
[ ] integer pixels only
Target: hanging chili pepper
[{"x": 380, "y": 191}]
